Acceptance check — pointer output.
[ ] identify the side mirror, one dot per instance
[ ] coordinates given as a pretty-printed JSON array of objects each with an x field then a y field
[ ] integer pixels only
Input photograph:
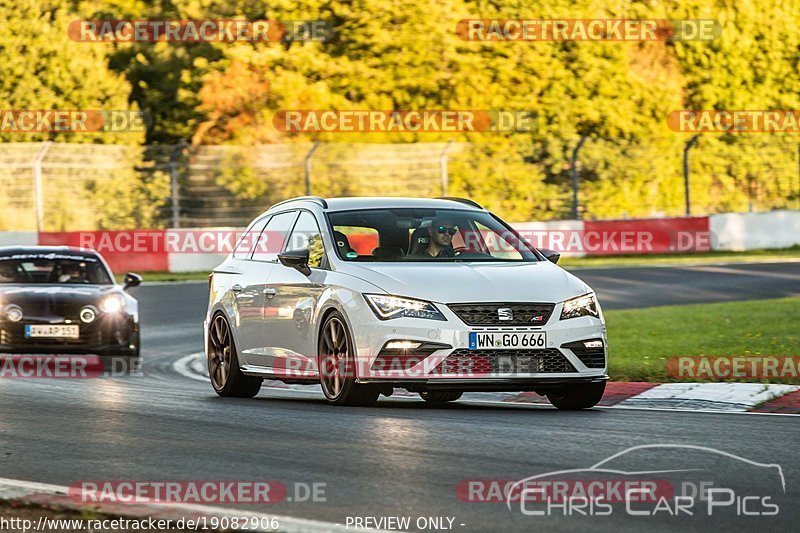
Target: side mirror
[
  {"x": 131, "y": 280},
  {"x": 550, "y": 255},
  {"x": 297, "y": 259}
]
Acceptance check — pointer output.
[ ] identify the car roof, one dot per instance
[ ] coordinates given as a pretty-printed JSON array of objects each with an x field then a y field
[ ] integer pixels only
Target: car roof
[
  {"x": 377, "y": 202},
  {"x": 46, "y": 250}
]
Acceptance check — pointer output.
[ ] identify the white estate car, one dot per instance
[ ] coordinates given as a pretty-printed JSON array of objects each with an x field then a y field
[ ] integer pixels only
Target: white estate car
[{"x": 437, "y": 296}]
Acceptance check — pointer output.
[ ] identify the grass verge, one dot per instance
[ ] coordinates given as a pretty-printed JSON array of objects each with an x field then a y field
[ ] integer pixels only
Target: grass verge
[{"x": 641, "y": 340}]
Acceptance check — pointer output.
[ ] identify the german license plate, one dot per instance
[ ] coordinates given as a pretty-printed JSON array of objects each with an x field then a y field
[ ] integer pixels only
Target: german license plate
[
  {"x": 507, "y": 340},
  {"x": 54, "y": 330}
]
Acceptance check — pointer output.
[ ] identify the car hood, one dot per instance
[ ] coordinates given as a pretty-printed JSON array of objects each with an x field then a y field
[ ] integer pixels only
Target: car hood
[
  {"x": 473, "y": 282},
  {"x": 53, "y": 300}
]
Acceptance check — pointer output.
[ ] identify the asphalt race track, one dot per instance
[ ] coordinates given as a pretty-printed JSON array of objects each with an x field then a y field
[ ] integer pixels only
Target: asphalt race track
[
  {"x": 401, "y": 458},
  {"x": 627, "y": 288}
]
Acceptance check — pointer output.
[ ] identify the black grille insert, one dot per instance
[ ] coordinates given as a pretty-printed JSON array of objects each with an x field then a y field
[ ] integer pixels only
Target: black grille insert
[
  {"x": 591, "y": 357},
  {"x": 463, "y": 361},
  {"x": 489, "y": 314},
  {"x": 594, "y": 357}
]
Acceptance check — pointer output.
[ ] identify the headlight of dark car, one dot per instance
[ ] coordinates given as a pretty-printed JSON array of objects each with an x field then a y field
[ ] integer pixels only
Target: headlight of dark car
[{"x": 112, "y": 303}]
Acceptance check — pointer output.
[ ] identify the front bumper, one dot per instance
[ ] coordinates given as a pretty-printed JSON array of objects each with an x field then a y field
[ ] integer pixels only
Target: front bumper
[
  {"x": 510, "y": 384},
  {"x": 108, "y": 334},
  {"x": 455, "y": 366}
]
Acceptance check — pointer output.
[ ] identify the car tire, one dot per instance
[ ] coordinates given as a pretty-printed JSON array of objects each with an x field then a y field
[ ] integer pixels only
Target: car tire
[
  {"x": 337, "y": 368},
  {"x": 223, "y": 363},
  {"x": 578, "y": 397},
  {"x": 440, "y": 396},
  {"x": 133, "y": 353}
]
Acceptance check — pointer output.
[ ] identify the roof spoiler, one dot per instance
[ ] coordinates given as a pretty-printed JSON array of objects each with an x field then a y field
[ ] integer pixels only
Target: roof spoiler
[
  {"x": 316, "y": 199},
  {"x": 466, "y": 201}
]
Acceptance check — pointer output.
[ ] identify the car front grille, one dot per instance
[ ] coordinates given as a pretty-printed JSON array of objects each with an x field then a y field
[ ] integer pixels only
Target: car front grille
[
  {"x": 463, "y": 361},
  {"x": 489, "y": 314},
  {"x": 591, "y": 357}
]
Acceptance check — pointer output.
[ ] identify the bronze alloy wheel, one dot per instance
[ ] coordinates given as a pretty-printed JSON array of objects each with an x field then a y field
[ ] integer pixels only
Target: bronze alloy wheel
[
  {"x": 223, "y": 363},
  {"x": 337, "y": 366}
]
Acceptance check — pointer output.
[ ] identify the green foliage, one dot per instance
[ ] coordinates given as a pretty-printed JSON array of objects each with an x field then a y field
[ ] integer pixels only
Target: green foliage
[
  {"x": 405, "y": 54},
  {"x": 43, "y": 69}
]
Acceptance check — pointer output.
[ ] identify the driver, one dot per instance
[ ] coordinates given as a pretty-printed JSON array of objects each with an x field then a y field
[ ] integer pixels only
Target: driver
[
  {"x": 72, "y": 272},
  {"x": 440, "y": 243}
]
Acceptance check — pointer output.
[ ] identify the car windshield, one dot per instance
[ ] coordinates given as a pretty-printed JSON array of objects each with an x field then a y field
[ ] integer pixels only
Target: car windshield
[
  {"x": 26, "y": 268},
  {"x": 438, "y": 235}
]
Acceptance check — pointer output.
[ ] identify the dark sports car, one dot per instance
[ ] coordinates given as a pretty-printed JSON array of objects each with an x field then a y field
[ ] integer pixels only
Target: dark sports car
[{"x": 65, "y": 300}]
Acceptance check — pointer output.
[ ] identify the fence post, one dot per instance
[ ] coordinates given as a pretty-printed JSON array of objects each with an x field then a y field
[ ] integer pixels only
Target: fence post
[
  {"x": 798, "y": 176},
  {"x": 444, "y": 178},
  {"x": 174, "y": 185},
  {"x": 687, "y": 196},
  {"x": 37, "y": 185},
  {"x": 573, "y": 164},
  {"x": 307, "y": 165}
]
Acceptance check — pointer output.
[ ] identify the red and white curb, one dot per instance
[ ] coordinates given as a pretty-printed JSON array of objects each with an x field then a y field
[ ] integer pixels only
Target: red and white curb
[
  {"x": 686, "y": 396},
  {"x": 717, "y": 397},
  {"x": 58, "y": 497}
]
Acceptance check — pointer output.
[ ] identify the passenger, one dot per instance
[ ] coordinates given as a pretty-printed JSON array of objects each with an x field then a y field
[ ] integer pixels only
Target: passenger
[{"x": 8, "y": 273}]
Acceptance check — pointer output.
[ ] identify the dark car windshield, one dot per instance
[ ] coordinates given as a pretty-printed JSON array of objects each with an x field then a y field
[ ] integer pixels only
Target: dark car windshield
[
  {"x": 439, "y": 235},
  {"x": 25, "y": 268}
]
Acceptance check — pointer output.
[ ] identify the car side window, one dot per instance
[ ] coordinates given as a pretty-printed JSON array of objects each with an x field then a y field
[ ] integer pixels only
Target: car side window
[
  {"x": 306, "y": 235},
  {"x": 248, "y": 240},
  {"x": 272, "y": 238}
]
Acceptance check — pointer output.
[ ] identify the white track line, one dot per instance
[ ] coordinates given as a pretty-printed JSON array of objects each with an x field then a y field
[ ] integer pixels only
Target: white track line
[
  {"x": 627, "y": 408},
  {"x": 181, "y": 366},
  {"x": 17, "y": 488}
]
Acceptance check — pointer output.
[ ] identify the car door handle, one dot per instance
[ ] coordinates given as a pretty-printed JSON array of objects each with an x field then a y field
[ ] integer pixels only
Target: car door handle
[
  {"x": 270, "y": 292},
  {"x": 236, "y": 288}
]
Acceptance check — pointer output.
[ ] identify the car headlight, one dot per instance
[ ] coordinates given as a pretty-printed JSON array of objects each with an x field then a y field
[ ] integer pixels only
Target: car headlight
[
  {"x": 112, "y": 304},
  {"x": 387, "y": 307},
  {"x": 13, "y": 313},
  {"x": 88, "y": 314},
  {"x": 585, "y": 305}
]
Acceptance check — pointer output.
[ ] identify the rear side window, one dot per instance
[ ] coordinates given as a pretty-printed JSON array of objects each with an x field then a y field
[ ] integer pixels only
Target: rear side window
[
  {"x": 248, "y": 241},
  {"x": 355, "y": 240},
  {"x": 306, "y": 235},
  {"x": 271, "y": 240}
]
